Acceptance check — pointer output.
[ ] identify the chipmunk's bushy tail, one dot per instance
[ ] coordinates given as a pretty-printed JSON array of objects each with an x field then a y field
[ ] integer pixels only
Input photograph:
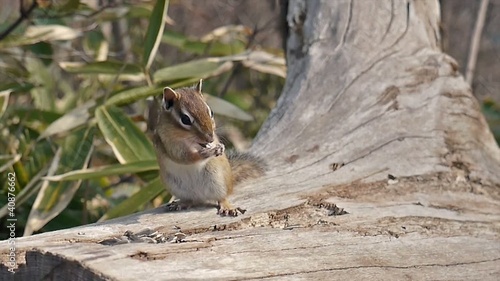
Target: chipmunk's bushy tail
[{"x": 245, "y": 166}]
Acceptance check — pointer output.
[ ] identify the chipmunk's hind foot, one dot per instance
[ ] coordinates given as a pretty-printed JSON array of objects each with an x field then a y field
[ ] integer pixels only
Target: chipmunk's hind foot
[{"x": 225, "y": 209}]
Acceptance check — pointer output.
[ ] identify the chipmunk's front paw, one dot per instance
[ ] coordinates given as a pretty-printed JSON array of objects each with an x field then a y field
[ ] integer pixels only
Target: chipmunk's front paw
[
  {"x": 210, "y": 150},
  {"x": 219, "y": 149}
]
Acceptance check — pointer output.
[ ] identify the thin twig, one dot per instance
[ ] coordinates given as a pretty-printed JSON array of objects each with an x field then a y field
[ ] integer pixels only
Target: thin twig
[
  {"x": 475, "y": 43},
  {"x": 75, "y": 13},
  {"x": 24, "y": 15}
]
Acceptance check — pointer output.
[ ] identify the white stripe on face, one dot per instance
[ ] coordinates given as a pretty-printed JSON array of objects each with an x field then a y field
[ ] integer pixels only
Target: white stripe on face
[{"x": 209, "y": 111}]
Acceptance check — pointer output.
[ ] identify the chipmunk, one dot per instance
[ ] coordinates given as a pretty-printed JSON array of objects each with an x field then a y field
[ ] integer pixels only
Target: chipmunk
[{"x": 193, "y": 163}]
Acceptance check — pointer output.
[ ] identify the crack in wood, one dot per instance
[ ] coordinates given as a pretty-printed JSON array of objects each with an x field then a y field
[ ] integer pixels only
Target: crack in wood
[
  {"x": 390, "y": 22},
  {"x": 359, "y": 75},
  {"x": 371, "y": 266},
  {"x": 475, "y": 118},
  {"x": 347, "y": 26},
  {"x": 407, "y": 26},
  {"x": 399, "y": 138}
]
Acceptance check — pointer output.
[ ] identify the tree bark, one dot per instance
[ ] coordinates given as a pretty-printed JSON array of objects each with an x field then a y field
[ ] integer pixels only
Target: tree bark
[{"x": 375, "y": 121}]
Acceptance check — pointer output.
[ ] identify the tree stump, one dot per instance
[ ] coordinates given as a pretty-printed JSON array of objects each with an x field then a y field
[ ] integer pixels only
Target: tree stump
[{"x": 381, "y": 166}]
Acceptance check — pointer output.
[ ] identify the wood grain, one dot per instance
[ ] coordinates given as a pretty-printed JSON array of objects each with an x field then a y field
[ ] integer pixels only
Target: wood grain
[{"x": 373, "y": 118}]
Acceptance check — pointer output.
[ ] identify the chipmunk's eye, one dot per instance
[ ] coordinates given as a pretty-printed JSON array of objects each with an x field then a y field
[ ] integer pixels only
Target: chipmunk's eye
[
  {"x": 186, "y": 120},
  {"x": 211, "y": 113}
]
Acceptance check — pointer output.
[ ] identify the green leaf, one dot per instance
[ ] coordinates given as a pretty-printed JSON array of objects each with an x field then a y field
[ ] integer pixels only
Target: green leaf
[
  {"x": 4, "y": 100},
  {"x": 35, "y": 155},
  {"x": 154, "y": 32},
  {"x": 134, "y": 202},
  {"x": 113, "y": 13},
  {"x": 34, "y": 115},
  {"x": 95, "y": 43},
  {"x": 102, "y": 67},
  {"x": 104, "y": 171},
  {"x": 15, "y": 40},
  {"x": 207, "y": 67},
  {"x": 201, "y": 68},
  {"x": 42, "y": 76},
  {"x": 69, "y": 121},
  {"x": 53, "y": 197},
  {"x": 128, "y": 142},
  {"x": 51, "y": 32},
  {"x": 212, "y": 48},
  {"x": 132, "y": 95},
  {"x": 40, "y": 33},
  {"x": 70, "y": 6},
  {"x": 184, "y": 83},
  {"x": 6, "y": 161},
  {"x": 43, "y": 51},
  {"x": 176, "y": 39},
  {"x": 33, "y": 185},
  {"x": 265, "y": 62},
  {"x": 23, "y": 86},
  {"x": 228, "y": 109},
  {"x": 138, "y": 11}
]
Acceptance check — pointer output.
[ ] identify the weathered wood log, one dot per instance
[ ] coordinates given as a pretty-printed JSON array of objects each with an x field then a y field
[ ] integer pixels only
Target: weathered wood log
[{"x": 374, "y": 120}]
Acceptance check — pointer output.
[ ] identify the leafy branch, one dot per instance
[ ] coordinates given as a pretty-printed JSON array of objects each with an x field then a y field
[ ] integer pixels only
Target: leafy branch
[{"x": 24, "y": 14}]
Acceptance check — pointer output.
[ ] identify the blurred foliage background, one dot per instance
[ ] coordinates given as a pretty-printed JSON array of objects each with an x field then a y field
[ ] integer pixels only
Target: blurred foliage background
[{"x": 75, "y": 76}]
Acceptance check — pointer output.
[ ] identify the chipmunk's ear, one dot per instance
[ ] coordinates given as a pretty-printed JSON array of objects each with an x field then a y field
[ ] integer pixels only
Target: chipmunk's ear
[
  {"x": 198, "y": 86},
  {"x": 169, "y": 96}
]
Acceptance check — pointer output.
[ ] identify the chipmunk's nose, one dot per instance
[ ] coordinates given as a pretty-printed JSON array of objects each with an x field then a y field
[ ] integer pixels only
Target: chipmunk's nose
[{"x": 209, "y": 137}]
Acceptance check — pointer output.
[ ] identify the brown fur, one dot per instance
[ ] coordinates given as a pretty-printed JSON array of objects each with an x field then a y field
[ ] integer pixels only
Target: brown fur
[
  {"x": 181, "y": 151},
  {"x": 192, "y": 101}
]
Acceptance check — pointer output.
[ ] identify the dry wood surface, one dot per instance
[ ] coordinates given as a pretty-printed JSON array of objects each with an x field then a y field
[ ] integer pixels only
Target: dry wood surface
[{"x": 382, "y": 167}]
